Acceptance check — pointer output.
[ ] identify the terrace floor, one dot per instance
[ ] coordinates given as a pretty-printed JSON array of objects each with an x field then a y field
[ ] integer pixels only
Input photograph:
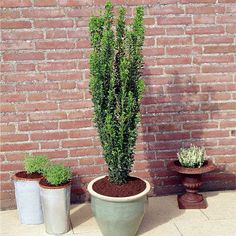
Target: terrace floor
[{"x": 162, "y": 218}]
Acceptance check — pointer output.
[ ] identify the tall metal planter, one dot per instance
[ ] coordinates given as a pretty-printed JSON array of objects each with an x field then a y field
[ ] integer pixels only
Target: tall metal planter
[
  {"x": 28, "y": 200},
  {"x": 56, "y": 208}
]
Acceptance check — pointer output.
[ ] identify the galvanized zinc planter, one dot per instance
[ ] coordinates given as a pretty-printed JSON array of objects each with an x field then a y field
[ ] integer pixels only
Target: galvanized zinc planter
[
  {"x": 28, "y": 199},
  {"x": 56, "y": 207}
]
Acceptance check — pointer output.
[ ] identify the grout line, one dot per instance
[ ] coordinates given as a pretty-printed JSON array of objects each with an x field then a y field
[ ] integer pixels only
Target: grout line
[
  {"x": 178, "y": 229},
  {"x": 204, "y": 214}
]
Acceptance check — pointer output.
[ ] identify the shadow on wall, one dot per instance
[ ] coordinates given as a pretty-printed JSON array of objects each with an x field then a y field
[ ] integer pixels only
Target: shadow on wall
[{"x": 176, "y": 113}]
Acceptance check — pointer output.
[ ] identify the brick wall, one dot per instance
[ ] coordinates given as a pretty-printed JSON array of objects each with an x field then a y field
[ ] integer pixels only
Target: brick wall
[{"x": 190, "y": 76}]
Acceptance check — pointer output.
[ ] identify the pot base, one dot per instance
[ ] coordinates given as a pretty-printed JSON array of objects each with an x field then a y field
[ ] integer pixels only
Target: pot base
[{"x": 187, "y": 202}]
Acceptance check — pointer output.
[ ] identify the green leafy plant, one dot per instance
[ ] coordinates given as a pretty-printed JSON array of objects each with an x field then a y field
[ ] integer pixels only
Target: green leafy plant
[
  {"x": 57, "y": 174},
  {"x": 116, "y": 86},
  {"x": 35, "y": 164},
  {"x": 191, "y": 157}
]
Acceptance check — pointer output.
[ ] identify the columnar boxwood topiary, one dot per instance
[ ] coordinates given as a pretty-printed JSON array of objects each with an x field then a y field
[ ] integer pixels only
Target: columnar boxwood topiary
[{"x": 116, "y": 86}]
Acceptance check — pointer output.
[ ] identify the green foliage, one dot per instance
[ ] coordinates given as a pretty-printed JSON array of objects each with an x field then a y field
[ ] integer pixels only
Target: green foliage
[
  {"x": 191, "y": 157},
  {"x": 35, "y": 164},
  {"x": 57, "y": 174},
  {"x": 116, "y": 86}
]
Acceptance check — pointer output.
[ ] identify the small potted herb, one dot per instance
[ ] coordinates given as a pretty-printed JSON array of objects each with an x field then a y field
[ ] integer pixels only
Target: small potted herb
[
  {"x": 55, "y": 196},
  {"x": 27, "y": 190},
  {"x": 191, "y": 164}
]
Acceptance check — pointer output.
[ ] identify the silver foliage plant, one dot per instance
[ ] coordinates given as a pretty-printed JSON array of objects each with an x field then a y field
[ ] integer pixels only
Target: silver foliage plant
[{"x": 191, "y": 157}]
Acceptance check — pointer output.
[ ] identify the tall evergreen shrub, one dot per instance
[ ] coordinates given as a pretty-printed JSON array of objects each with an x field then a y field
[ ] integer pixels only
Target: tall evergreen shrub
[{"x": 116, "y": 86}]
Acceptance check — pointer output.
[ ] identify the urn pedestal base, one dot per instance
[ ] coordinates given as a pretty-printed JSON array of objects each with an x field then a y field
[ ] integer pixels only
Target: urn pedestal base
[{"x": 184, "y": 203}]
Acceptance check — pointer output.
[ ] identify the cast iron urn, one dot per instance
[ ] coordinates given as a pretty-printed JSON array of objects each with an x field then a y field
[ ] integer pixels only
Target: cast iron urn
[{"x": 191, "y": 180}]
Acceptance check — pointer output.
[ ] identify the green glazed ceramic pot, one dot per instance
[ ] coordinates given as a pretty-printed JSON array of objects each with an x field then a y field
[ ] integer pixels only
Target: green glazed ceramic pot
[{"x": 118, "y": 216}]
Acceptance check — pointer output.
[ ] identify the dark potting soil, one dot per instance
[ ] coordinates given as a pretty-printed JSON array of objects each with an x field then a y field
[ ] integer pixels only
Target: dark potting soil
[
  {"x": 44, "y": 182},
  {"x": 132, "y": 187},
  {"x": 24, "y": 175}
]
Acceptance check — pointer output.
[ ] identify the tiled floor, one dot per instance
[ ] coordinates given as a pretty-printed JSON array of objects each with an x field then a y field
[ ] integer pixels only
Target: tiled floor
[{"x": 163, "y": 218}]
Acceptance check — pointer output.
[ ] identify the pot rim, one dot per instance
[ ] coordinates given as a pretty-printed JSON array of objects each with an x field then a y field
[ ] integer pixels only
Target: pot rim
[
  {"x": 17, "y": 178},
  {"x": 117, "y": 199},
  {"x": 176, "y": 166},
  {"x": 55, "y": 187}
]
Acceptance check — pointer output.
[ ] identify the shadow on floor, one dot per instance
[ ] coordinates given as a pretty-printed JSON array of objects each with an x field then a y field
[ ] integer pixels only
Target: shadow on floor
[
  {"x": 79, "y": 215},
  {"x": 159, "y": 213}
]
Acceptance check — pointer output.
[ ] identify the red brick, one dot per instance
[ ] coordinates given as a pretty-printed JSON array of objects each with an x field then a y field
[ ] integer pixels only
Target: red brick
[
  {"x": 49, "y": 145},
  {"x": 175, "y": 31},
  {"x": 220, "y": 97},
  {"x": 64, "y": 55},
  {"x": 24, "y": 77},
  {"x": 207, "y": 78},
  {"x": 227, "y": 124},
  {"x": 54, "y": 154},
  {"x": 7, "y": 128},
  {"x": 9, "y": 14},
  {"x": 225, "y": 19},
  {"x": 75, "y": 124},
  {"x": 86, "y": 161},
  {"x": 185, "y": 50},
  {"x": 77, "y": 143},
  {"x": 223, "y": 115},
  {"x": 60, "y": 66},
  {"x": 47, "y": 116},
  {"x": 154, "y": 31},
  {"x": 182, "y": 70},
  {"x": 174, "y": 61},
  {"x": 54, "y": 45},
  {"x": 6, "y": 68},
  {"x": 83, "y": 133},
  {"x": 82, "y": 44},
  {"x": 37, "y": 87},
  {"x": 13, "y": 98},
  {"x": 43, "y": 106},
  {"x": 221, "y": 151},
  {"x": 174, "y": 20},
  {"x": 53, "y": 23},
  {"x": 16, "y": 24},
  {"x": 210, "y": 134},
  {"x": 23, "y": 56},
  {"x": 18, "y": 147},
  {"x": 65, "y": 96},
  {"x": 25, "y": 67},
  {"x": 14, "y": 138},
  {"x": 220, "y": 49},
  {"x": 49, "y": 136},
  {"x": 37, "y": 126},
  {"x": 45, "y": 3},
  {"x": 204, "y": 9},
  {"x": 74, "y": 3},
  {"x": 218, "y": 68},
  {"x": 213, "y": 59},
  {"x": 231, "y": 29},
  {"x": 198, "y": 1},
  {"x": 15, "y": 156},
  {"x": 5, "y": 118},
  {"x": 203, "y": 19},
  {"x": 190, "y": 117},
  {"x": 7, "y": 108},
  {"x": 165, "y": 10},
  {"x": 78, "y": 34},
  {"x": 77, "y": 105},
  {"x": 21, "y": 35},
  {"x": 174, "y": 40},
  {"x": 18, "y": 45},
  {"x": 68, "y": 85},
  {"x": 80, "y": 114},
  {"x": 85, "y": 152},
  {"x": 53, "y": 34},
  {"x": 202, "y": 125},
  {"x": 43, "y": 13},
  {"x": 15, "y": 3},
  {"x": 213, "y": 40},
  {"x": 37, "y": 97},
  {"x": 219, "y": 106},
  {"x": 205, "y": 30}
]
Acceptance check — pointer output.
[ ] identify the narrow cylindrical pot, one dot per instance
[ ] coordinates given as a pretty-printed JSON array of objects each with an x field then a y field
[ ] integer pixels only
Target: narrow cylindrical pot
[
  {"x": 56, "y": 208},
  {"x": 28, "y": 200},
  {"x": 118, "y": 216}
]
